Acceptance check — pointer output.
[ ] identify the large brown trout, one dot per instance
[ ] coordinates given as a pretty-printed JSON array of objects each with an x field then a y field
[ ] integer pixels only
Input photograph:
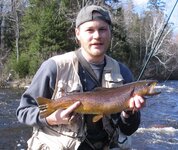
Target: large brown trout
[{"x": 102, "y": 101}]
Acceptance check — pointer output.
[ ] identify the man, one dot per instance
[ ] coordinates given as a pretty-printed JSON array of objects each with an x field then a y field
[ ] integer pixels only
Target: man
[{"x": 79, "y": 71}]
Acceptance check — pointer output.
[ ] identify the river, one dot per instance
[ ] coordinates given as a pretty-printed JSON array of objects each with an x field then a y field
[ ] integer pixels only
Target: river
[{"x": 158, "y": 129}]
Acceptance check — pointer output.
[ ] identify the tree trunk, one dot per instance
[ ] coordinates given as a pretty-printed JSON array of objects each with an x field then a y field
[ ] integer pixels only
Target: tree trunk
[
  {"x": 16, "y": 19},
  {"x": 17, "y": 35},
  {"x": 2, "y": 33}
]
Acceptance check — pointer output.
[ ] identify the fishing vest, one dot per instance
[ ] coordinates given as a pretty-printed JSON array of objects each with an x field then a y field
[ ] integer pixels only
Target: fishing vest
[{"x": 67, "y": 80}]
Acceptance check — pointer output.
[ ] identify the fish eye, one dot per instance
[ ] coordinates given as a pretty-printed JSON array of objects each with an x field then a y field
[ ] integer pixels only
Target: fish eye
[{"x": 148, "y": 84}]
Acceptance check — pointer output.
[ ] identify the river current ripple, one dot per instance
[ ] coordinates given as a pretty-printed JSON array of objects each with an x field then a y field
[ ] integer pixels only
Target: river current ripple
[{"x": 158, "y": 129}]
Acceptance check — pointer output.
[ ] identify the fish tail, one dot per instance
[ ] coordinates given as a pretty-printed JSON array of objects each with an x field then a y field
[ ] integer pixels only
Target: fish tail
[{"x": 45, "y": 107}]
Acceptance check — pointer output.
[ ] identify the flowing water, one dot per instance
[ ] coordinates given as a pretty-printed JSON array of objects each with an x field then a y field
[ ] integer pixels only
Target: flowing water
[
  {"x": 159, "y": 125},
  {"x": 13, "y": 135},
  {"x": 158, "y": 129}
]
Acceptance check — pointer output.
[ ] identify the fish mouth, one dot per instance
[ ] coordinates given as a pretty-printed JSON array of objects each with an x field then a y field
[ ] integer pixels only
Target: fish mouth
[{"x": 152, "y": 88}]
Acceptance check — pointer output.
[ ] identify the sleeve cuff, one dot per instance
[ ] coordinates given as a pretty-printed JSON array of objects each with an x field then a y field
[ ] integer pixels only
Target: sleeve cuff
[{"x": 128, "y": 117}]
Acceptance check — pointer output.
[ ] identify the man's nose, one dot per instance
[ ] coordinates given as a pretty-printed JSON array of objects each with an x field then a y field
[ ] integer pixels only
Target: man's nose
[{"x": 96, "y": 34}]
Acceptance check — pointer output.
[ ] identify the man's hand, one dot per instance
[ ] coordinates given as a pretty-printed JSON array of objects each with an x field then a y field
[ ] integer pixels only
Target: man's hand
[
  {"x": 63, "y": 116},
  {"x": 136, "y": 103}
]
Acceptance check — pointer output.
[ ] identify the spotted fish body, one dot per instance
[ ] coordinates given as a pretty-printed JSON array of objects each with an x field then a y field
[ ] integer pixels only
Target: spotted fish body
[{"x": 101, "y": 101}]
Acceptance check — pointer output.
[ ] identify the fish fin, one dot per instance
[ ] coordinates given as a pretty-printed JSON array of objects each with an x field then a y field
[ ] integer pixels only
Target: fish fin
[
  {"x": 132, "y": 92},
  {"x": 43, "y": 100},
  {"x": 45, "y": 107},
  {"x": 97, "y": 118}
]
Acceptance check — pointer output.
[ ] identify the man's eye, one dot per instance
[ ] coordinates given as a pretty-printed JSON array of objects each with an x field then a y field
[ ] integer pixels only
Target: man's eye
[
  {"x": 103, "y": 29},
  {"x": 89, "y": 30}
]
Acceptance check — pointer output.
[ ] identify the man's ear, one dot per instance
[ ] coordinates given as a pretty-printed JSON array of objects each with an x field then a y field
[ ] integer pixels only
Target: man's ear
[
  {"x": 77, "y": 32},
  {"x": 77, "y": 37}
]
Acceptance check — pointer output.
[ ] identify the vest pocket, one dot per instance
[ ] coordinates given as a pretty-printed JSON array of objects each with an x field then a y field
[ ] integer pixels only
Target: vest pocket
[
  {"x": 67, "y": 87},
  {"x": 112, "y": 80},
  {"x": 34, "y": 143}
]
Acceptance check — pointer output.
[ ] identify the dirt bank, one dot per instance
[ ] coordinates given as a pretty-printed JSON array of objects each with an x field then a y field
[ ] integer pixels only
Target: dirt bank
[{"x": 19, "y": 83}]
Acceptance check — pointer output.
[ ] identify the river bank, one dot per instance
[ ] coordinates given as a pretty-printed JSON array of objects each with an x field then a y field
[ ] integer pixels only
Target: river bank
[
  {"x": 11, "y": 81},
  {"x": 18, "y": 83},
  {"x": 23, "y": 83}
]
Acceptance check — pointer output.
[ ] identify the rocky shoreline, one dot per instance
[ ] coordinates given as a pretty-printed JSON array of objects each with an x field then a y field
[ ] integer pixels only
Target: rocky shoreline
[{"x": 20, "y": 83}]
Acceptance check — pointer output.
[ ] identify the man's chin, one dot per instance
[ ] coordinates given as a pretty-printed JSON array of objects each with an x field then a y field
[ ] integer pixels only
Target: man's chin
[{"x": 98, "y": 52}]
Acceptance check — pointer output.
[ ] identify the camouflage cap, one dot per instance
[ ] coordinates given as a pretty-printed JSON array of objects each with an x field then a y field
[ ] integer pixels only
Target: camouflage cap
[{"x": 88, "y": 14}]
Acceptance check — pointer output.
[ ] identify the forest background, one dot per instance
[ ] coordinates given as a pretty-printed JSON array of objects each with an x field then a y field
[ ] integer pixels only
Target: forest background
[{"x": 31, "y": 31}]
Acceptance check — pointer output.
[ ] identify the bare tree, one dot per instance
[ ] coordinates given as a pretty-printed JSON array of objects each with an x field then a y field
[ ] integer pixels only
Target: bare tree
[
  {"x": 2, "y": 29},
  {"x": 143, "y": 32},
  {"x": 10, "y": 10},
  {"x": 15, "y": 5},
  {"x": 163, "y": 49}
]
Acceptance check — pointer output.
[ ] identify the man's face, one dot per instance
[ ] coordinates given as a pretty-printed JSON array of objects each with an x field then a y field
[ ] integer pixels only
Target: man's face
[{"x": 94, "y": 37}]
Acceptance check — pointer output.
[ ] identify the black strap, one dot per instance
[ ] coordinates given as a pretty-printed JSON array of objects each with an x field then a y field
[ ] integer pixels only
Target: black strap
[{"x": 86, "y": 66}]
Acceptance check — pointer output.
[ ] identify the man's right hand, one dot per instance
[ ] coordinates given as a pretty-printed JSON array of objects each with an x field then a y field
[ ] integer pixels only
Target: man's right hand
[{"x": 63, "y": 116}]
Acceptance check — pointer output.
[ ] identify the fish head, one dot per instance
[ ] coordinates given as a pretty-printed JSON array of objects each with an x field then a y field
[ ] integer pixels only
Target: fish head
[{"x": 146, "y": 88}]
